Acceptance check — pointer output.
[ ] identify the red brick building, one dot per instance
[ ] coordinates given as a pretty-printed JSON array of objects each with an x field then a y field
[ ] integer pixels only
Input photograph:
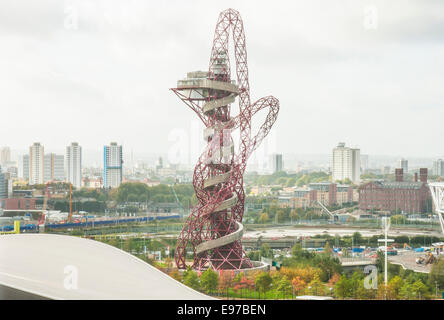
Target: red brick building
[
  {"x": 18, "y": 204},
  {"x": 406, "y": 196}
]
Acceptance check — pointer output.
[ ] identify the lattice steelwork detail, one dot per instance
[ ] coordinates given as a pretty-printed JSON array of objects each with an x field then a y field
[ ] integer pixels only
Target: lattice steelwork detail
[{"x": 213, "y": 229}]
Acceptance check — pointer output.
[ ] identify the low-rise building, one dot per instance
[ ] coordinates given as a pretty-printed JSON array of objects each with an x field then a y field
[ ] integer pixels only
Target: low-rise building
[
  {"x": 92, "y": 183},
  {"x": 327, "y": 193},
  {"x": 259, "y": 190}
]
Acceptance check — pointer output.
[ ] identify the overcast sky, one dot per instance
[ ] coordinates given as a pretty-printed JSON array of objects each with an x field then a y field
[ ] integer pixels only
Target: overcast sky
[{"x": 368, "y": 73}]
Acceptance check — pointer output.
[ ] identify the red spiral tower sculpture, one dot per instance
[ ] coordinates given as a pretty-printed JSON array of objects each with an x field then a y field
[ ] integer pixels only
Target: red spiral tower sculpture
[{"x": 213, "y": 229}]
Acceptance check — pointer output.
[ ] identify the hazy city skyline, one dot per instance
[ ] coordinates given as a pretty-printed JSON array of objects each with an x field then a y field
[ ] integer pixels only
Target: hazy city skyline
[{"x": 95, "y": 72}]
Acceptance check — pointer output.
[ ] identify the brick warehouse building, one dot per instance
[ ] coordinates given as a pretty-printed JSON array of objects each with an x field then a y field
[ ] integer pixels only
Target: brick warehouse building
[{"x": 406, "y": 196}]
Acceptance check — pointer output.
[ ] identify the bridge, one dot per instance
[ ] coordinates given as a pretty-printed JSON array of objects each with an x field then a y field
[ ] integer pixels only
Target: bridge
[{"x": 349, "y": 264}]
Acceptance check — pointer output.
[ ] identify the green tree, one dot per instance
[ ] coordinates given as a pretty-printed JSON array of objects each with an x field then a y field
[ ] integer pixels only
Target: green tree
[
  {"x": 263, "y": 282},
  {"x": 396, "y": 284},
  {"x": 357, "y": 238},
  {"x": 316, "y": 287},
  {"x": 327, "y": 248},
  {"x": 398, "y": 219},
  {"x": 128, "y": 245},
  {"x": 284, "y": 286},
  {"x": 266, "y": 251},
  {"x": 264, "y": 218},
  {"x": 354, "y": 281},
  {"x": 293, "y": 215},
  {"x": 281, "y": 215},
  {"x": 406, "y": 291},
  {"x": 175, "y": 274},
  {"x": 328, "y": 264},
  {"x": 113, "y": 242},
  {"x": 209, "y": 280},
  {"x": 291, "y": 182},
  {"x": 436, "y": 275},
  {"x": 191, "y": 279},
  {"x": 420, "y": 289},
  {"x": 343, "y": 288}
]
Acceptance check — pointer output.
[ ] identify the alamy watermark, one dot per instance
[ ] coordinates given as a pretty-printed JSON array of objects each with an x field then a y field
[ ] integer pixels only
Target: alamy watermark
[
  {"x": 371, "y": 280},
  {"x": 370, "y": 18},
  {"x": 71, "y": 279}
]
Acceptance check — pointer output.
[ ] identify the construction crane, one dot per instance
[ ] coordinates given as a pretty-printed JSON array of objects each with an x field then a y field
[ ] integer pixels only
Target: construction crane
[
  {"x": 42, "y": 220},
  {"x": 333, "y": 217},
  {"x": 177, "y": 200}
]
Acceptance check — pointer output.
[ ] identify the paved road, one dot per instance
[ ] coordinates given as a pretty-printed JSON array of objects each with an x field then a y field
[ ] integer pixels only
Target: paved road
[
  {"x": 407, "y": 260},
  {"x": 301, "y": 231}
]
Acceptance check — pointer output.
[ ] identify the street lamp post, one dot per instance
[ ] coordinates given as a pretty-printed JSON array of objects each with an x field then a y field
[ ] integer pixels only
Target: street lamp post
[{"x": 385, "y": 240}]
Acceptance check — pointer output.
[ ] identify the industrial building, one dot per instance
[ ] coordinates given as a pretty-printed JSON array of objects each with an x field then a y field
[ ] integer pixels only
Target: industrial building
[{"x": 397, "y": 196}]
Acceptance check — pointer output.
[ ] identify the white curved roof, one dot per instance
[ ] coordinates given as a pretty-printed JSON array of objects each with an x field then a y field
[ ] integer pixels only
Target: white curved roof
[{"x": 36, "y": 263}]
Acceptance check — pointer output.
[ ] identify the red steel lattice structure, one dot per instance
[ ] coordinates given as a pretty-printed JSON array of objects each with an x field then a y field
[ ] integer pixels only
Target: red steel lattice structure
[{"x": 213, "y": 229}]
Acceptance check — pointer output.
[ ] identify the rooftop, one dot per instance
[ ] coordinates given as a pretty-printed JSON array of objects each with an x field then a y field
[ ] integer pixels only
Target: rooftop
[{"x": 40, "y": 264}]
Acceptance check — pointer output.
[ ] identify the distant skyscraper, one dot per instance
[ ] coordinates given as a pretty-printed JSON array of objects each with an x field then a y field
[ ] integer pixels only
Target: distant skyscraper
[
  {"x": 159, "y": 164},
  {"x": 386, "y": 170},
  {"x": 364, "y": 162},
  {"x": 5, "y": 156},
  {"x": 24, "y": 168},
  {"x": 438, "y": 167},
  {"x": 346, "y": 163},
  {"x": 112, "y": 165},
  {"x": 276, "y": 163},
  {"x": 54, "y": 167},
  {"x": 74, "y": 164},
  {"x": 36, "y": 160},
  {"x": 404, "y": 165}
]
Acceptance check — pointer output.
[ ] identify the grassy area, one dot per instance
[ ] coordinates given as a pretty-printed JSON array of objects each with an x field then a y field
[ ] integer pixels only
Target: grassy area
[{"x": 254, "y": 294}]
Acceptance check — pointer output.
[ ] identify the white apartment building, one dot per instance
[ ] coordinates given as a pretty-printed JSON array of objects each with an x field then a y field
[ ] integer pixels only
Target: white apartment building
[
  {"x": 24, "y": 167},
  {"x": 54, "y": 167},
  {"x": 346, "y": 163},
  {"x": 5, "y": 156},
  {"x": 438, "y": 167},
  {"x": 74, "y": 164},
  {"x": 36, "y": 167},
  {"x": 112, "y": 165},
  {"x": 276, "y": 163},
  {"x": 404, "y": 165},
  {"x": 364, "y": 162}
]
